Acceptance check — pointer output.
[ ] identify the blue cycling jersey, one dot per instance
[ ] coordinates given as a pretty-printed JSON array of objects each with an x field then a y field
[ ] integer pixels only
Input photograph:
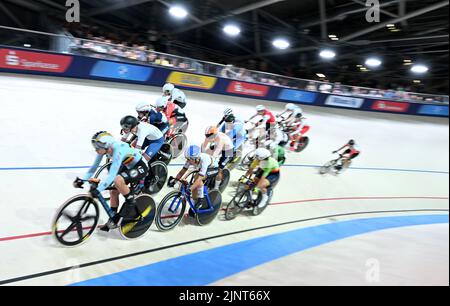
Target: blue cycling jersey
[
  {"x": 123, "y": 155},
  {"x": 158, "y": 119},
  {"x": 236, "y": 131}
]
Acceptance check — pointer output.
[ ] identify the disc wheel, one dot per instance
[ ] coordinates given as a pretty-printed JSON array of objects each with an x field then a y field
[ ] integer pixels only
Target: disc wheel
[
  {"x": 205, "y": 218},
  {"x": 178, "y": 143},
  {"x": 160, "y": 175},
  {"x": 140, "y": 220},
  {"x": 236, "y": 205},
  {"x": 303, "y": 143}
]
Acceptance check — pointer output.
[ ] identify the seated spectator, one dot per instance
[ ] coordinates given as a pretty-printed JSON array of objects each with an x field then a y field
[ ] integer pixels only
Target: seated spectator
[
  {"x": 337, "y": 89},
  {"x": 312, "y": 86},
  {"x": 227, "y": 72},
  {"x": 325, "y": 87}
]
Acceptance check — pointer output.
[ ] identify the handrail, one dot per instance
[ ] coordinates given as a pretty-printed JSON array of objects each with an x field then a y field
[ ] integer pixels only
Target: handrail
[{"x": 100, "y": 48}]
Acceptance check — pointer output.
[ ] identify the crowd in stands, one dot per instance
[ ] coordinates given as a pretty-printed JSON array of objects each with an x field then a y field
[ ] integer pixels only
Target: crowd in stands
[{"x": 105, "y": 48}]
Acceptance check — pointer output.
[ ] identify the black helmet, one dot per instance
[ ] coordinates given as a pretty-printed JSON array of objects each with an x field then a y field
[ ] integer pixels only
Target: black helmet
[
  {"x": 351, "y": 142},
  {"x": 230, "y": 118},
  {"x": 299, "y": 116},
  {"x": 129, "y": 122}
]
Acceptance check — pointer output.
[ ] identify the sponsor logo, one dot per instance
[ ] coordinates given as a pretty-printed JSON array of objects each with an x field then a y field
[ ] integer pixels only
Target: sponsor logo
[
  {"x": 248, "y": 89},
  {"x": 192, "y": 80},
  {"x": 435, "y": 110},
  {"x": 347, "y": 102},
  {"x": 298, "y": 96},
  {"x": 389, "y": 106},
  {"x": 112, "y": 70},
  {"x": 33, "y": 61}
]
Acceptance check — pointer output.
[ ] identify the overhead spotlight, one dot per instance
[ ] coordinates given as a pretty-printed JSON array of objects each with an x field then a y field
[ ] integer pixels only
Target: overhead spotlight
[
  {"x": 419, "y": 69},
  {"x": 321, "y": 75},
  {"x": 417, "y": 81},
  {"x": 373, "y": 62},
  {"x": 27, "y": 45},
  {"x": 232, "y": 30},
  {"x": 332, "y": 36},
  {"x": 178, "y": 12},
  {"x": 327, "y": 54},
  {"x": 281, "y": 43},
  {"x": 391, "y": 25}
]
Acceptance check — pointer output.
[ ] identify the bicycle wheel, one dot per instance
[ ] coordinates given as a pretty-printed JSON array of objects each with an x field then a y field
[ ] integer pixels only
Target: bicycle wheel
[
  {"x": 158, "y": 181},
  {"x": 181, "y": 126},
  {"x": 303, "y": 143},
  {"x": 326, "y": 168},
  {"x": 216, "y": 201},
  {"x": 259, "y": 210},
  {"x": 170, "y": 211},
  {"x": 140, "y": 220},
  {"x": 178, "y": 143},
  {"x": 225, "y": 180},
  {"x": 76, "y": 220},
  {"x": 236, "y": 205},
  {"x": 247, "y": 160},
  {"x": 103, "y": 174}
]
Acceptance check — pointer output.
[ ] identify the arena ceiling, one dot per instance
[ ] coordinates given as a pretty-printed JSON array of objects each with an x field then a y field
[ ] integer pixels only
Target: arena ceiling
[{"x": 422, "y": 32}]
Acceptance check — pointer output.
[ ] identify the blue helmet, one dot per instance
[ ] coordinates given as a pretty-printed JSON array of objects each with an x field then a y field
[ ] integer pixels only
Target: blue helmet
[{"x": 193, "y": 152}]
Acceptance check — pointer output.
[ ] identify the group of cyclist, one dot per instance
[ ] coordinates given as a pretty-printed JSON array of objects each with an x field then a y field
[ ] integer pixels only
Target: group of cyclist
[{"x": 222, "y": 143}]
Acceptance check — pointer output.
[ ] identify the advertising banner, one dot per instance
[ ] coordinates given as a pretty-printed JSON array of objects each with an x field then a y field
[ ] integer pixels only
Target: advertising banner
[
  {"x": 248, "y": 89},
  {"x": 192, "y": 80},
  {"x": 434, "y": 110},
  {"x": 112, "y": 70},
  {"x": 389, "y": 106},
  {"x": 298, "y": 96},
  {"x": 347, "y": 102},
  {"x": 34, "y": 61}
]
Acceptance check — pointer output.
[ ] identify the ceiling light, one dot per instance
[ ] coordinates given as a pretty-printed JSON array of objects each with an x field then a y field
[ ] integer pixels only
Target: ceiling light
[
  {"x": 419, "y": 69},
  {"x": 328, "y": 54},
  {"x": 178, "y": 12},
  {"x": 232, "y": 30},
  {"x": 321, "y": 75},
  {"x": 281, "y": 43},
  {"x": 373, "y": 62}
]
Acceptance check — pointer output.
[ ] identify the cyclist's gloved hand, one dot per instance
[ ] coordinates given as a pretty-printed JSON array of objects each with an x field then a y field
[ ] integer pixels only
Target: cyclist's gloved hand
[
  {"x": 78, "y": 183},
  {"x": 171, "y": 182},
  {"x": 334, "y": 152},
  {"x": 243, "y": 179}
]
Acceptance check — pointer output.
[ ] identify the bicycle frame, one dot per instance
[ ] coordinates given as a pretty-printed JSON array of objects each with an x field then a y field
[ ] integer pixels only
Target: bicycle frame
[{"x": 185, "y": 196}]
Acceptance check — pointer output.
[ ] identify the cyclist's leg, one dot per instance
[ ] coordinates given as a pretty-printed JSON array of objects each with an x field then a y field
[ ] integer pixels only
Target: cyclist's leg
[
  {"x": 227, "y": 157},
  {"x": 153, "y": 148}
]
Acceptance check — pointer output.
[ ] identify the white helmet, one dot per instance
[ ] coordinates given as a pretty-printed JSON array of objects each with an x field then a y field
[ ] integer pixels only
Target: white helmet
[
  {"x": 168, "y": 88},
  {"x": 143, "y": 107},
  {"x": 161, "y": 102},
  {"x": 262, "y": 154},
  {"x": 260, "y": 108},
  {"x": 291, "y": 107}
]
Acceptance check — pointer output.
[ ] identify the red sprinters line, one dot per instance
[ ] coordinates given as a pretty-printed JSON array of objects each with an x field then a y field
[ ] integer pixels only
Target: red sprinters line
[{"x": 279, "y": 203}]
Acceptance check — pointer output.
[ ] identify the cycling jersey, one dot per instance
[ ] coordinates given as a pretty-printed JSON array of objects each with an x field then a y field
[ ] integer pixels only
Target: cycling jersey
[
  {"x": 123, "y": 155},
  {"x": 159, "y": 120},
  {"x": 146, "y": 131},
  {"x": 235, "y": 131},
  {"x": 269, "y": 166},
  {"x": 205, "y": 162}
]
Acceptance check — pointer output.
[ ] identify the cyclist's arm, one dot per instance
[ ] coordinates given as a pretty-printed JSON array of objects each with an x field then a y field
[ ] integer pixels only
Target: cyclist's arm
[
  {"x": 140, "y": 139},
  {"x": 183, "y": 172},
  {"x": 253, "y": 166},
  {"x": 113, "y": 171},
  {"x": 94, "y": 167}
]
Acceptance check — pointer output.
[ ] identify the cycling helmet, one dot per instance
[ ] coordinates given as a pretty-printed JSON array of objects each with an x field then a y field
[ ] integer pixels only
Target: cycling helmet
[
  {"x": 228, "y": 112},
  {"x": 129, "y": 123},
  {"x": 161, "y": 102},
  {"x": 230, "y": 118},
  {"x": 211, "y": 131},
  {"x": 168, "y": 89},
  {"x": 352, "y": 142},
  {"x": 262, "y": 154},
  {"x": 102, "y": 140},
  {"x": 291, "y": 107},
  {"x": 193, "y": 152},
  {"x": 143, "y": 107},
  {"x": 260, "y": 108},
  {"x": 299, "y": 116}
]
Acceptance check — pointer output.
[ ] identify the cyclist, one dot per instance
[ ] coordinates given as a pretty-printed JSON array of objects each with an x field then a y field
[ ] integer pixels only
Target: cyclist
[
  {"x": 290, "y": 112},
  {"x": 352, "y": 151},
  {"x": 233, "y": 128},
  {"x": 220, "y": 146},
  {"x": 298, "y": 129},
  {"x": 201, "y": 162},
  {"x": 128, "y": 167},
  {"x": 268, "y": 118},
  {"x": 267, "y": 174},
  {"x": 143, "y": 110},
  {"x": 157, "y": 116}
]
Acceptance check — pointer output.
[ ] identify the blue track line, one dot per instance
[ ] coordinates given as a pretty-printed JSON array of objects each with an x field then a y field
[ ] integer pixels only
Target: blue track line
[{"x": 209, "y": 266}]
